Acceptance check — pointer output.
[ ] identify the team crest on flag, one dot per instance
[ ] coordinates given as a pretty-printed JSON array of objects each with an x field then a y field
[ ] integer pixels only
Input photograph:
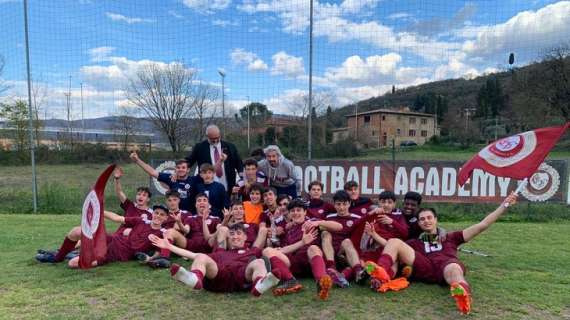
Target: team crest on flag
[{"x": 90, "y": 220}]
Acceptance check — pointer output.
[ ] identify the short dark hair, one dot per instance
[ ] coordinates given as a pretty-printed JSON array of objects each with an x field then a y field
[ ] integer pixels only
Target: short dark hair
[
  {"x": 205, "y": 167},
  {"x": 181, "y": 161},
  {"x": 297, "y": 203},
  {"x": 432, "y": 210},
  {"x": 172, "y": 193},
  {"x": 316, "y": 183},
  {"x": 282, "y": 196},
  {"x": 237, "y": 226},
  {"x": 250, "y": 162},
  {"x": 257, "y": 154},
  {"x": 350, "y": 184},
  {"x": 341, "y": 196},
  {"x": 202, "y": 195},
  {"x": 236, "y": 202},
  {"x": 270, "y": 189},
  {"x": 257, "y": 187},
  {"x": 412, "y": 195},
  {"x": 385, "y": 195},
  {"x": 144, "y": 189}
]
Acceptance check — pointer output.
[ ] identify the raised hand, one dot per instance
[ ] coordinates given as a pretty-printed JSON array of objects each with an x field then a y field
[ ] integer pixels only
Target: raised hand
[
  {"x": 384, "y": 219},
  {"x": 158, "y": 242},
  {"x": 310, "y": 236},
  {"x": 369, "y": 228},
  {"x": 176, "y": 216},
  {"x": 118, "y": 173},
  {"x": 134, "y": 156},
  {"x": 510, "y": 200}
]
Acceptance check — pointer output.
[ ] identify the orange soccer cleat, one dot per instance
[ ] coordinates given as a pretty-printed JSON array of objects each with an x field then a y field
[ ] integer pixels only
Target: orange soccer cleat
[
  {"x": 324, "y": 286},
  {"x": 407, "y": 271},
  {"x": 462, "y": 297},
  {"x": 376, "y": 271}
]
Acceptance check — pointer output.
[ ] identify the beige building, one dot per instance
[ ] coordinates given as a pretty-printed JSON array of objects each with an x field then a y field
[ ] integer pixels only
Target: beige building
[{"x": 377, "y": 128}]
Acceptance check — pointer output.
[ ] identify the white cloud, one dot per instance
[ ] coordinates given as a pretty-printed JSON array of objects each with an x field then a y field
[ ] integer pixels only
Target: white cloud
[
  {"x": 370, "y": 69},
  {"x": 546, "y": 27},
  {"x": 207, "y": 6},
  {"x": 225, "y": 23},
  {"x": 100, "y": 54},
  {"x": 399, "y": 16},
  {"x": 241, "y": 57},
  {"x": 129, "y": 20},
  {"x": 175, "y": 14},
  {"x": 287, "y": 65}
]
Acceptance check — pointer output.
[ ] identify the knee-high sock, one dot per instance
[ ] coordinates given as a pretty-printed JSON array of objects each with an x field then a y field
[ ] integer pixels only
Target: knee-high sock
[
  {"x": 318, "y": 267},
  {"x": 386, "y": 262},
  {"x": 280, "y": 269},
  {"x": 67, "y": 246},
  {"x": 165, "y": 253}
]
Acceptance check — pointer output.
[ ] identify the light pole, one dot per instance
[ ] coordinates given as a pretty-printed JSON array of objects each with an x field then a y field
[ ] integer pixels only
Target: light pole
[
  {"x": 82, "y": 116},
  {"x": 310, "y": 124},
  {"x": 222, "y": 74},
  {"x": 30, "y": 122},
  {"x": 248, "y": 126}
]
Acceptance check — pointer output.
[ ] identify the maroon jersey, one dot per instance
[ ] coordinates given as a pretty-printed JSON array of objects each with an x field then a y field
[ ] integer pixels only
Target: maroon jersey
[
  {"x": 348, "y": 222},
  {"x": 131, "y": 210},
  {"x": 319, "y": 209},
  {"x": 231, "y": 264},
  {"x": 295, "y": 234},
  {"x": 414, "y": 229},
  {"x": 121, "y": 248},
  {"x": 361, "y": 206},
  {"x": 170, "y": 222},
  {"x": 251, "y": 232},
  {"x": 195, "y": 223},
  {"x": 398, "y": 228}
]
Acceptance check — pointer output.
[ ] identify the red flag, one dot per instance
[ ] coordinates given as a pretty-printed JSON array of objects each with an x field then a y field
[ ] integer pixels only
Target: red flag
[
  {"x": 93, "y": 236},
  {"x": 517, "y": 156},
  {"x": 361, "y": 244}
]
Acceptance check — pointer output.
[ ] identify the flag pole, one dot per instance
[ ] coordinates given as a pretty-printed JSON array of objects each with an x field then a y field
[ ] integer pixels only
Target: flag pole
[{"x": 519, "y": 189}]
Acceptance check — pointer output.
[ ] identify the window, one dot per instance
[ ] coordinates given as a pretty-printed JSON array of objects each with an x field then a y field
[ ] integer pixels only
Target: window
[
  {"x": 424, "y": 121},
  {"x": 366, "y": 119},
  {"x": 412, "y": 120},
  {"x": 373, "y": 132},
  {"x": 412, "y": 133},
  {"x": 424, "y": 133},
  {"x": 398, "y": 132},
  {"x": 383, "y": 117}
]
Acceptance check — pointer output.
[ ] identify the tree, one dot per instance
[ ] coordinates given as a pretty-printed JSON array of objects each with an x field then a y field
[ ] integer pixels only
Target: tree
[
  {"x": 39, "y": 98},
  {"x": 203, "y": 109},
  {"x": 3, "y": 85},
  {"x": 126, "y": 126},
  {"x": 16, "y": 115},
  {"x": 490, "y": 99},
  {"x": 168, "y": 94},
  {"x": 258, "y": 114}
]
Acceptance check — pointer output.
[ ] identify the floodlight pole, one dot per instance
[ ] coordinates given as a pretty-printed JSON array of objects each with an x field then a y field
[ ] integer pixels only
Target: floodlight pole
[
  {"x": 310, "y": 122},
  {"x": 248, "y": 123},
  {"x": 223, "y": 75},
  {"x": 30, "y": 113}
]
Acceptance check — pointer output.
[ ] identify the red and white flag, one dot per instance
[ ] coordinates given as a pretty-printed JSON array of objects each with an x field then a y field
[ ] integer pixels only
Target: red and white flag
[
  {"x": 517, "y": 156},
  {"x": 93, "y": 236}
]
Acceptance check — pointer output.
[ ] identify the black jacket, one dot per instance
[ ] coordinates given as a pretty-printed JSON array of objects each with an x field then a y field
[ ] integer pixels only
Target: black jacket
[{"x": 201, "y": 154}]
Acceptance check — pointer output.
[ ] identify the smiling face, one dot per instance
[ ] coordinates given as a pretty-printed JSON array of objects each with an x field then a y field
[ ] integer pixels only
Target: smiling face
[
  {"x": 411, "y": 207},
  {"x": 427, "y": 221},
  {"x": 159, "y": 216},
  {"x": 207, "y": 176},
  {"x": 255, "y": 196},
  {"x": 237, "y": 213},
  {"x": 297, "y": 215},
  {"x": 250, "y": 172},
  {"x": 173, "y": 203},
  {"x": 202, "y": 205},
  {"x": 182, "y": 170},
  {"x": 341, "y": 208},
  {"x": 142, "y": 198},
  {"x": 387, "y": 205},
  {"x": 354, "y": 193},
  {"x": 269, "y": 199},
  {"x": 272, "y": 157},
  {"x": 237, "y": 238}
]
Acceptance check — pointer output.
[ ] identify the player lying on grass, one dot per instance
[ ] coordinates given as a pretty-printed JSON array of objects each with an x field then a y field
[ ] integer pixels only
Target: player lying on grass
[
  {"x": 238, "y": 268},
  {"x": 119, "y": 247},
  {"x": 189, "y": 233},
  {"x": 338, "y": 244},
  {"x": 300, "y": 249},
  {"x": 433, "y": 256}
]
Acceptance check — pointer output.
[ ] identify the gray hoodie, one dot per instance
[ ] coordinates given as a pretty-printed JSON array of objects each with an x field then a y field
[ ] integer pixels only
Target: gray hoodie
[{"x": 283, "y": 175}]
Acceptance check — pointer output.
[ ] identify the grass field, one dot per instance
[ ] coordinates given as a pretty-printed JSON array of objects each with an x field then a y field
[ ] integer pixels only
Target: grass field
[{"x": 526, "y": 278}]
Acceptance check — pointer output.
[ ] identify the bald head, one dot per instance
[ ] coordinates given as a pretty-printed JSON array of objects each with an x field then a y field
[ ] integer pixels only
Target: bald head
[{"x": 213, "y": 134}]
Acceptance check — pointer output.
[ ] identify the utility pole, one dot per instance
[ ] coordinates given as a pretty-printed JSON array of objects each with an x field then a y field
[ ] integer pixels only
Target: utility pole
[
  {"x": 68, "y": 109},
  {"x": 310, "y": 124},
  {"x": 248, "y": 123},
  {"x": 223, "y": 75},
  {"x": 82, "y": 117}
]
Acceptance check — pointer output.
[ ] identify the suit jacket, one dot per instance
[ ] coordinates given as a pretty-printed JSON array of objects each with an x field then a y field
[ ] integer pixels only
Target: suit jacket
[{"x": 201, "y": 154}]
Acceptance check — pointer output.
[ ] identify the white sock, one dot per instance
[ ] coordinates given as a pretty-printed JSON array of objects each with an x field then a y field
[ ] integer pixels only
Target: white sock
[
  {"x": 266, "y": 283},
  {"x": 186, "y": 277}
]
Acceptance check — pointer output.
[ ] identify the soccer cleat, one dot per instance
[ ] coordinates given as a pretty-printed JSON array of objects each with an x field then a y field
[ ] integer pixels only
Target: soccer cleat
[
  {"x": 47, "y": 257},
  {"x": 324, "y": 286},
  {"x": 72, "y": 254},
  {"x": 338, "y": 278},
  {"x": 159, "y": 263},
  {"x": 361, "y": 277},
  {"x": 407, "y": 271},
  {"x": 462, "y": 297},
  {"x": 376, "y": 271},
  {"x": 287, "y": 287},
  {"x": 142, "y": 257}
]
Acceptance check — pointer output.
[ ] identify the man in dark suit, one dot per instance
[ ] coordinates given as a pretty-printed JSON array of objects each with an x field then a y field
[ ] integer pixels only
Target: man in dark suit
[{"x": 222, "y": 154}]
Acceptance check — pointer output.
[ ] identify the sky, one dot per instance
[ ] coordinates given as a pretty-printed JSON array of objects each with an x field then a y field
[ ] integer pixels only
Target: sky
[{"x": 361, "y": 47}]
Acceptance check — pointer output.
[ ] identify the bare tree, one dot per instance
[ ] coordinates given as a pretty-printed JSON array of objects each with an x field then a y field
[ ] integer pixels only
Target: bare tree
[
  {"x": 204, "y": 108},
  {"x": 39, "y": 98},
  {"x": 166, "y": 94},
  {"x": 3, "y": 85},
  {"x": 126, "y": 126},
  {"x": 299, "y": 105}
]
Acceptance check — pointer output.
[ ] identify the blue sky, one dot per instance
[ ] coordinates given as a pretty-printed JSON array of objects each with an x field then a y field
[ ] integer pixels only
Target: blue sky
[{"x": 362, "y": 47}]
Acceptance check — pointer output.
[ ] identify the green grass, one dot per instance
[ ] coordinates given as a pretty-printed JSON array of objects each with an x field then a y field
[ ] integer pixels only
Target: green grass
[{"x": 526, "y": 278}]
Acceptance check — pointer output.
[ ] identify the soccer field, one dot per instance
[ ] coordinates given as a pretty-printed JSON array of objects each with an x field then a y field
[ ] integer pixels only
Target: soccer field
[{"x": 526, "y": 277}]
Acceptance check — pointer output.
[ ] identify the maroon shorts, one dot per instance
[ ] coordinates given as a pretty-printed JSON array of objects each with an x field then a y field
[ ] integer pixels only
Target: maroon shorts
[
  {"x": 425, "y": 270},
  {"x": 198, "y": 245},
  {"x": 371, "y": 255},
  {"x": 230, "y": 278},
  {"x": 300, "y": 264},
  {"x": 115, "y": 252}
]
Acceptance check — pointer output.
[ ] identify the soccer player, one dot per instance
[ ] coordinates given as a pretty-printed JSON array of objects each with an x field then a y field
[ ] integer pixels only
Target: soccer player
[
  {"x": 412, "y": 202},
  {"x": 338, "y": 242},
  {"x": 139, "y": 208},
  {"x": 233, "y": 216},
  {"x": 276, "y": 221},
  {"x": 300, "y": 249},
  {"x": 189, "y": 233},
  {"x": 238, "y": 268},
  {"x": 251, "y": 176},
  {"x": 317, "y": 207},
  {"x": 254, "y": 207},
  {"x": 215, "y": 191},
  {"x": 181, "y": 181},
  {"x": 358, "y": 205},
  {"x": 119, "y": 247},
  {"x": 433, "y": 256}
]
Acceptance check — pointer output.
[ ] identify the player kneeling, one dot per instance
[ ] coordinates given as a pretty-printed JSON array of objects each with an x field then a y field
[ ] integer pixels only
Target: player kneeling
[
  {"x": 236, "y": 269},
  {"x": 433, "y": 256}
]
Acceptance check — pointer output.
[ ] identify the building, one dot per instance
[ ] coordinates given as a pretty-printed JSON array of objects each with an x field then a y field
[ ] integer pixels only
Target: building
[
  {"x": 277, "y": 121},
  {"x": 377, "y": 128}
]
